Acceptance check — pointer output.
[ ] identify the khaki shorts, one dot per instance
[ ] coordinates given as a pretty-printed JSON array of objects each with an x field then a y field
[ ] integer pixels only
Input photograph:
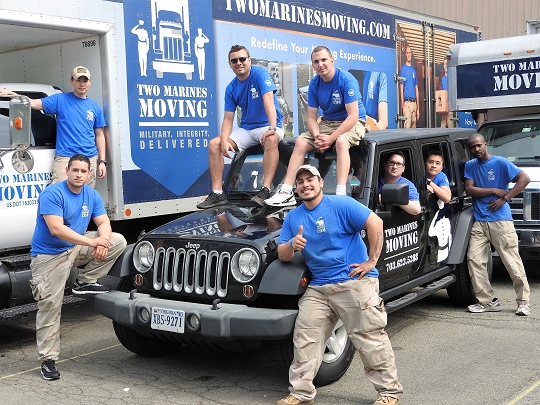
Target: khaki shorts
[{"x": 354, "y": 135}]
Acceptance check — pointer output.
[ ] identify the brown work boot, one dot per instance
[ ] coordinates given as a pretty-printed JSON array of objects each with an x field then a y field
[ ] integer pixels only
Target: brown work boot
[
  {"x": 290, "y": 400},
  {"x": 386, "y": 400}
]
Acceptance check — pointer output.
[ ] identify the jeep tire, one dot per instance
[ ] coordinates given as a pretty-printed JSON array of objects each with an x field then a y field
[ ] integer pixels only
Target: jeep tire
[{"x": 461, "y": 292}]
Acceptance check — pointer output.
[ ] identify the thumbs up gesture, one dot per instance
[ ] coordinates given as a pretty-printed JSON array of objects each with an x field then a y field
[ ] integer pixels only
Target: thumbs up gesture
[{"x": 299, "y": 242}]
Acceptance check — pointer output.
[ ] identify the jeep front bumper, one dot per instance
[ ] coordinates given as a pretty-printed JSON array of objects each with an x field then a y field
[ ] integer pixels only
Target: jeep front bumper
[{"x": 227, "y": 321}]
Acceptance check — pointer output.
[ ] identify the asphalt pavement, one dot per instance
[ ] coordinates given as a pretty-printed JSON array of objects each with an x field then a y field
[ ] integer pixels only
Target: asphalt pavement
[{"x": 445, "y": 356}]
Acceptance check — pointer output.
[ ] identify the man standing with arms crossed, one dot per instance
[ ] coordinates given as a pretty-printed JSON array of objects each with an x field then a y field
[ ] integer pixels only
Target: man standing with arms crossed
[
  {"x": 486, "y": 180},
  {"x": 61, "y": 242},
  {"x": 344, "y": 285},
  {"x": 337, "y": 93},
  {"x": 80, "y": 126},
  {"x": 409, "y": 91},
  {"x": 254, "y": 91}
]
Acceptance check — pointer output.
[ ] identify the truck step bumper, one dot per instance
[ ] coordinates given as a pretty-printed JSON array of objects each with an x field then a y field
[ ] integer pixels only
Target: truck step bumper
[
  {"x": 411, "y": 297},
  {"x": 23, "y": 309},
  {"x": 227, "y": 321}
]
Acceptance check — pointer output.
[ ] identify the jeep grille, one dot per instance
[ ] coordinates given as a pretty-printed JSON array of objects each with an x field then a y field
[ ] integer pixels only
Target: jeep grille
[
  {"x": 526, "y": 208},
  {"x": 192, "y": 271}
]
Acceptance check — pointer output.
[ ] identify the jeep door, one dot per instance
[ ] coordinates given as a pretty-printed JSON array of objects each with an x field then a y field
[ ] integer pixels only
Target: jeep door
[{"x": 402, "y": 253}]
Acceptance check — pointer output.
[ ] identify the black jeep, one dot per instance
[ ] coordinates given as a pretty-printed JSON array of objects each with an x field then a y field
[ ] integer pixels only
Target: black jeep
[{"x": 213, "y": 277}]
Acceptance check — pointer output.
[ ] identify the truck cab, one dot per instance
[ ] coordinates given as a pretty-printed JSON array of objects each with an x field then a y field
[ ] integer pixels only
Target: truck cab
[
  {"x": 213, "y": 277},
  {"x": 25, "y": 171},
  {"x": 498, "y": 81}
]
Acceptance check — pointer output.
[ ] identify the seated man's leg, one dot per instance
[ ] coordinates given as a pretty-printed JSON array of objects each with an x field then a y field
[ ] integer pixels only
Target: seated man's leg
[
  {"x": 95, "y": 269},
  {"x": 304, "y": 143},
  {"x": 269, "y": 142},
  {"x": 342, "y": 146},
  {"x": 216, "y": 165}
]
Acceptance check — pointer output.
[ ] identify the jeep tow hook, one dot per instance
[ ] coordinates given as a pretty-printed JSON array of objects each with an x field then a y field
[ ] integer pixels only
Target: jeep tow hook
[{"x": 215, "y": 304}]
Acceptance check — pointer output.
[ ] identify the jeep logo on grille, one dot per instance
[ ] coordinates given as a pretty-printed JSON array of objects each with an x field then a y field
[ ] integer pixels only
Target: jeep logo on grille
[{"x": 192, "y": 246}]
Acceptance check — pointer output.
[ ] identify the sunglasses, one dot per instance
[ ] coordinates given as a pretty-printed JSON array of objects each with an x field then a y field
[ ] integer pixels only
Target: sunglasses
[{"x": 235, "y": 60}]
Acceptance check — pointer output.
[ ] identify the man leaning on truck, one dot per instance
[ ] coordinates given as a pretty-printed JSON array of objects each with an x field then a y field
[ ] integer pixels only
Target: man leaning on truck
[
  {"x": 80, "y": 126},
  {"x": 486, "y": 180}
]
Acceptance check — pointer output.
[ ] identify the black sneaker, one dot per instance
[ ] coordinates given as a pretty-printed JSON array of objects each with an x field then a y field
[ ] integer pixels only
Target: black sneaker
[
  {"x": 80, "y": 287},
  {"x": 49, "y": 370},
  {"x": 262, "y": 195},
  {"x": 213, "y": 200}
]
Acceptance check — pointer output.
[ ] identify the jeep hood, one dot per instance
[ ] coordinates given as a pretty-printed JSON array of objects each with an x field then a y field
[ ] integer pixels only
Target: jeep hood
[{"x": 228, "y": 221}]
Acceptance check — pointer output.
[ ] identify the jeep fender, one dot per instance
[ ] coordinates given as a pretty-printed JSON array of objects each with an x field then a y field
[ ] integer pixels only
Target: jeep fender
[
  {"x": 121, "y": 266},
  {"x": 460, "y": 240},
  {"x": 284, "y": 278}
]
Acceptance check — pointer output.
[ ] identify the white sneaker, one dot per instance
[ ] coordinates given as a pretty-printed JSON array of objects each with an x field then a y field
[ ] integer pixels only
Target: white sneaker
[
  {"x": 523, "y": 310},
  {"x": 281, "y": 199}
]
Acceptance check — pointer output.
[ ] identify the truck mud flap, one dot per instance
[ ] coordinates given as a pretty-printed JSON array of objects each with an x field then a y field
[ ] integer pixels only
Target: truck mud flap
[{"x": 411, "y": 297}]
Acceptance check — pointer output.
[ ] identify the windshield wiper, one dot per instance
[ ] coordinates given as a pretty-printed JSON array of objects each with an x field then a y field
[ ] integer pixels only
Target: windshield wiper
[{"x": 537, "y": 157}]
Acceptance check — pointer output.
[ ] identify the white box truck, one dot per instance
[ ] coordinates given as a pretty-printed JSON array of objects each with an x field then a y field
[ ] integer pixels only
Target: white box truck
[
  {"x": 498, "y": 81},
  {"x": 159, "y": 70}
]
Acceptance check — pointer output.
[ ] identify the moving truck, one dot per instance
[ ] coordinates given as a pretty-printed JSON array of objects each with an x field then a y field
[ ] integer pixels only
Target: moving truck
[
  {"x": 159, "y": 70},
  {"x": 498, "y": 81}
]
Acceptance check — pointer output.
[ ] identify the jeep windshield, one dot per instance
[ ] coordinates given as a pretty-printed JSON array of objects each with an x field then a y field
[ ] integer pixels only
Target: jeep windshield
[
  {"x": 518, "y": 141},
  {"x": 246, "y": 173}
]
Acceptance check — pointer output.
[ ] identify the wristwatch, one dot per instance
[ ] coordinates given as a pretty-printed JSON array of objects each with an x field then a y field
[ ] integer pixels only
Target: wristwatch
[
  {"x": 272, "y": 128},
  {"x": 504, "y": 198},
  {"x": 102, "y": 161}
]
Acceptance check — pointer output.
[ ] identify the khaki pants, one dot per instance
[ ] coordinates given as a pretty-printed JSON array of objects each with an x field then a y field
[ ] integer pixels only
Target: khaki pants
[
  {"x": 358, "y": 305},
  {"x": 353, "y": 136},
  {"x": 409, "y": 111},
  {"x": 59, "y": 170},
  {"x": 446, "y": 120},
  {"x": 502, "y": 235},
  {"x": 49, "y": 276}
]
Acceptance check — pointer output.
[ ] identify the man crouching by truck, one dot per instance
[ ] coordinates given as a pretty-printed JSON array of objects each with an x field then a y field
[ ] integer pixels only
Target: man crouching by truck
[{"x": 60, "y": 242}]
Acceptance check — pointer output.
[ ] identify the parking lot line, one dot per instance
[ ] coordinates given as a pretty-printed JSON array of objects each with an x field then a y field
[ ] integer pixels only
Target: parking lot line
[
  {"x": 60, "y": 361},
  {"x": 524, "y": 393}
]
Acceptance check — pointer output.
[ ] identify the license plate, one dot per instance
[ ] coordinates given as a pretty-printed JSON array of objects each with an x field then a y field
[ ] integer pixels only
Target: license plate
[{"x": 170, "y": 320}]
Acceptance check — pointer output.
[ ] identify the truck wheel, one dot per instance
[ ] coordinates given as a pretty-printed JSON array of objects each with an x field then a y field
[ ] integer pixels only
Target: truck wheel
[
  {"x": 337, "y": 357},
  {"x": 135, "y": 342},
  {"x": 461, "y": 292}
]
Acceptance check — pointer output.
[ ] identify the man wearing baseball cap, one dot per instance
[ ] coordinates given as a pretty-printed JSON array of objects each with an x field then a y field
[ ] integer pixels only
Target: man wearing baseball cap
[
  {"x": 344, "y": 285},
  {"x": 79, "y": 128}
]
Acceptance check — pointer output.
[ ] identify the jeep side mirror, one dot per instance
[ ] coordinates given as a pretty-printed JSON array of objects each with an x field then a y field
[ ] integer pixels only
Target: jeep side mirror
[
  {"x": 395, "y": 194},
  {"x": 392, "y": 194}
]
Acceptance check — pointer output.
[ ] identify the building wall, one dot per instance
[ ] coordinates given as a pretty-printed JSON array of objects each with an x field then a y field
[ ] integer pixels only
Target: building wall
[{"x": 495, "y": 18}]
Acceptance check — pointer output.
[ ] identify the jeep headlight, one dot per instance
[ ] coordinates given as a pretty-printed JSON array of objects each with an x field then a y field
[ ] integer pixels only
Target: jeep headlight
[
  {"x": 245, "y": 265},
  {"x": 143, "y": 256}
]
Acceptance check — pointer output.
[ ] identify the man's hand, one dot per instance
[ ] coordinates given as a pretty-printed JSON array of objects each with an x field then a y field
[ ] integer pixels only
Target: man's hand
[
  {"x": 101, "y": 247},
  {"x": 226, "y": 147},
  {"x": 359, "y": 269},
  {"x": 323, "y": 142},
  {"x": 496, "y": 204},
  {"x": 100, "y": 253},
  {"x": 101, "y": 171},
  {"x": 299, "y": 242}
]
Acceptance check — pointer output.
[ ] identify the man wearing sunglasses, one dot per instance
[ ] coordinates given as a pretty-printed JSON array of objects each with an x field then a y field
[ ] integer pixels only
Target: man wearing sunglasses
[
  {"x": 393, "y": 169},
  {"x": 253, "y": 90}
]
